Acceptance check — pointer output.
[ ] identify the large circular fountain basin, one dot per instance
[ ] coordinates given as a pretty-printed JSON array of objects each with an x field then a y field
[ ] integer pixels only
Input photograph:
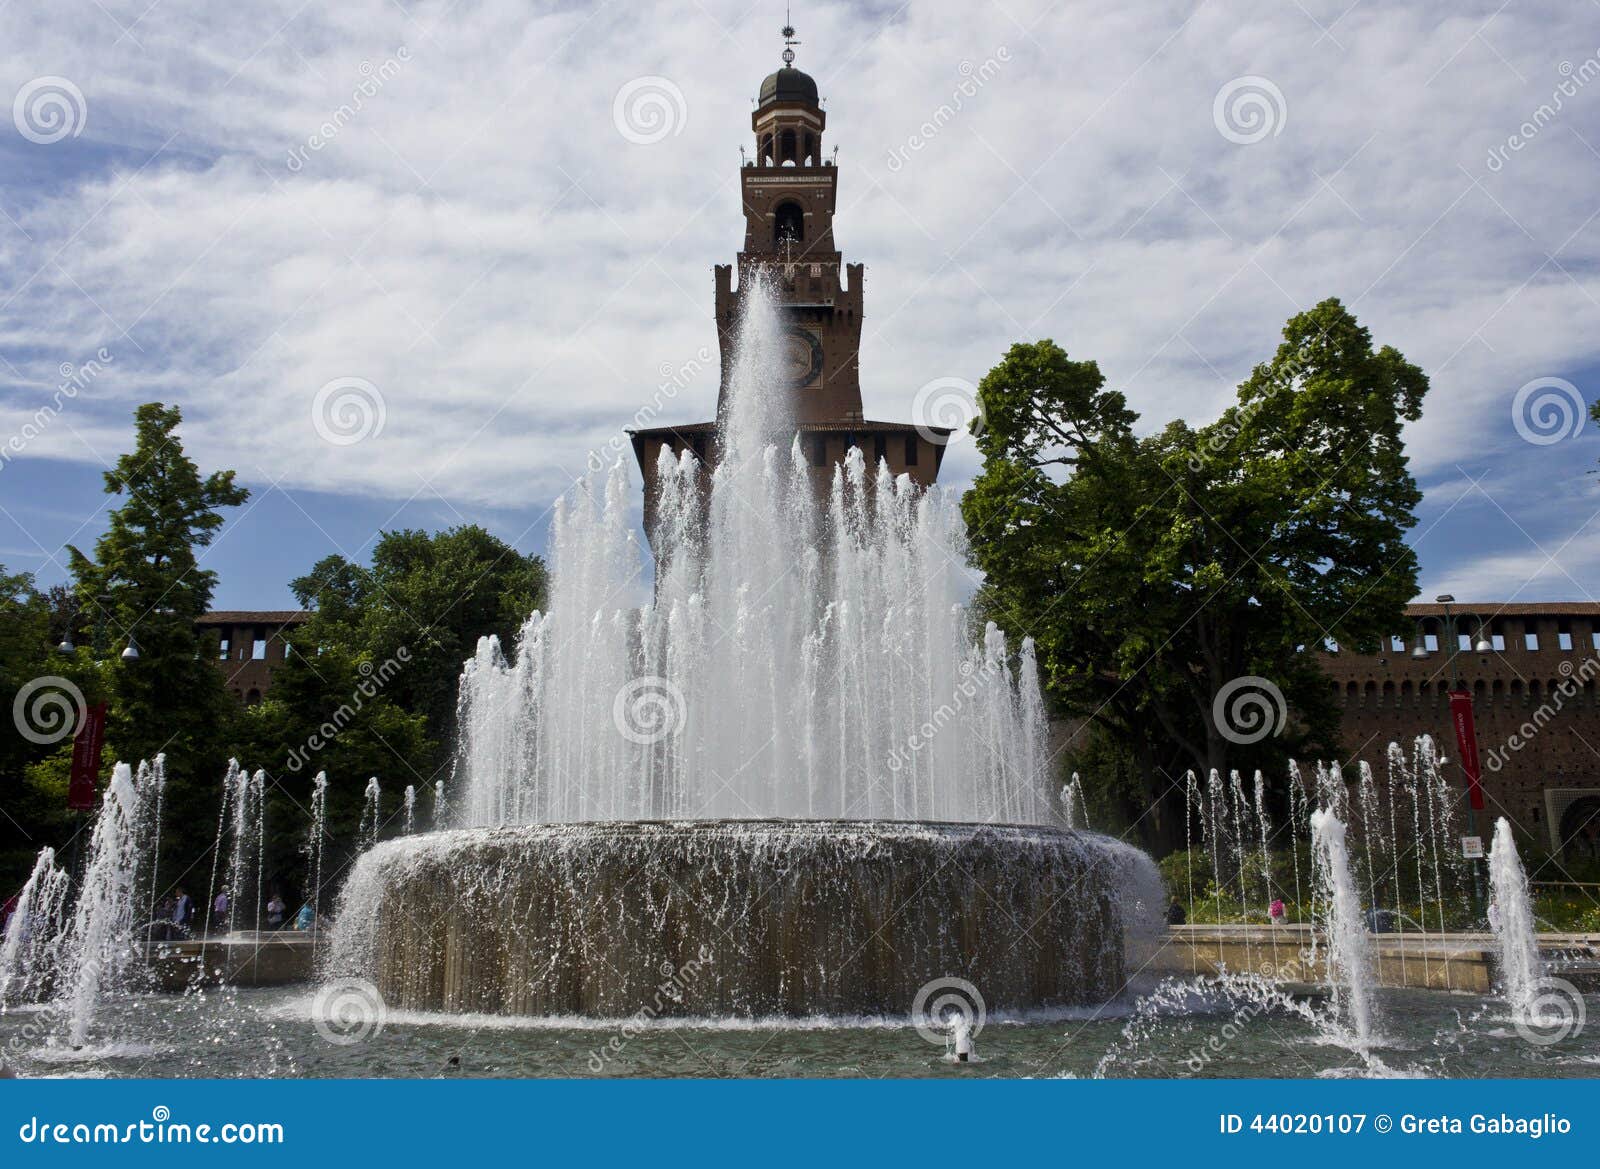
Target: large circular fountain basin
[{"x": 742, "y": 918}]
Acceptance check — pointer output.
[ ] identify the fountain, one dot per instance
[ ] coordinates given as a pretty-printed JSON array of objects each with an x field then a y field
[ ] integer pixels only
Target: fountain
[
  {"x": 98, "y": 948},
  {"x": 27, "y": 952},
  {"x": 796, "y": 762},
  {"x": 1522, "y": 970},
  {"x": 1349, "y": 962}
]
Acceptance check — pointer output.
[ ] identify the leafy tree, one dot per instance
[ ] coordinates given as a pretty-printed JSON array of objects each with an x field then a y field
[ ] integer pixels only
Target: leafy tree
[
  {"x": 1155, "y": 572},
  {"x": 145, "y": 588},
  {"x": 431, "y": 596}
]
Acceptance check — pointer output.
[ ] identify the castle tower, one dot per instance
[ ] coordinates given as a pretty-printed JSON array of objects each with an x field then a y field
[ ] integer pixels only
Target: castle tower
[{"x": 789, "y": 192}]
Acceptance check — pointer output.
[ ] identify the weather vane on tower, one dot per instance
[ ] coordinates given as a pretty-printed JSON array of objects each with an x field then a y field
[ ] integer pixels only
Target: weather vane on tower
[{"x": 788, "y": 39}]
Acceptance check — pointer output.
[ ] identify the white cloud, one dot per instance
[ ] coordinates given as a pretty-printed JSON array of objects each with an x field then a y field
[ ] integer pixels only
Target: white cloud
[{"x": 481, "y": 243}]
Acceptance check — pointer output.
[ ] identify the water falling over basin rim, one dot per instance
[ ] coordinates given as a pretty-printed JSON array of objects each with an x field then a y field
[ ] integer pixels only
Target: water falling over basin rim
[{"x": 735, "y": 917}]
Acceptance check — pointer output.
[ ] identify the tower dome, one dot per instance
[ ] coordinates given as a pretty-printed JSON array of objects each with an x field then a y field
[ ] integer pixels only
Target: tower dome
[{"x": 788, "y": 84}]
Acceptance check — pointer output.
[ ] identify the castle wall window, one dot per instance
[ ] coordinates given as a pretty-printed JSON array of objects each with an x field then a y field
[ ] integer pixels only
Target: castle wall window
[
  {"x": 1564, "y": 639},
  {"x": 224, "y": 648},
  {"x": 258, "y": 649},
  {"x": 819, "y": 449},
  {"x": 911, "y": 450},
  {"x": 1530, "y": 641}
]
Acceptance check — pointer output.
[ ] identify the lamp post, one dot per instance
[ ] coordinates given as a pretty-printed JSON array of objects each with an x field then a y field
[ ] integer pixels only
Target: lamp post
[{"x": 1462, "y": 718}]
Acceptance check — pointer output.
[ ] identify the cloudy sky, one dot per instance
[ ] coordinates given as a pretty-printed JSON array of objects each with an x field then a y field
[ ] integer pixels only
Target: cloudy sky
[{"x": 499, "y": 253}]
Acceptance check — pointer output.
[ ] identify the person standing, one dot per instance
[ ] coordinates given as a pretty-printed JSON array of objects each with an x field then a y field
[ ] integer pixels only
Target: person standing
[
  {"x": 275, "y": 911},
  {"x": 219, "y": 911},
  {"x": 183, "y": 911}
]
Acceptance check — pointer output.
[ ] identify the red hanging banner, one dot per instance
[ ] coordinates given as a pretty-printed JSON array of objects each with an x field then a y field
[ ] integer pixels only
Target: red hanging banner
[
  {"x": 1467, "y": 744},
  {"x": 86, "y": 747}
]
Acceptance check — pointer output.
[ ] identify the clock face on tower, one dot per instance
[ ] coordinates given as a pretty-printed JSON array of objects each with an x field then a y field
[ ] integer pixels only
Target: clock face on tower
[{"x": 802, "y": 356}]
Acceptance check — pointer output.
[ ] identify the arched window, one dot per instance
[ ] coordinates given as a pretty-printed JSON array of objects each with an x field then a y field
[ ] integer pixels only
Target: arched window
[
  {"x": 766, "y": 150},
  {"x": 786, "y": 147},
  {"x": 788, "y": 224}
]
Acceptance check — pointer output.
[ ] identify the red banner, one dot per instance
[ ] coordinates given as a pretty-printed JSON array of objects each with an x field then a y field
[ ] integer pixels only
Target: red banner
[
  {"x": 86, "y": 747},
  {"x": 1467, "y": 744}
]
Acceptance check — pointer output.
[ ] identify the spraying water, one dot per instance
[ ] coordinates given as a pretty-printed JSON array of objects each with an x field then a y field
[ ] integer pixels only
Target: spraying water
[
  {"x": 1350, "y": 969},
  {"x": 796, "y": 660},
  {"x": 98, "y": 946},
  {"x": 27, "y": 953},
  {"x": 410, "y": 804},
  {"x": 1521, "y": 968},
  {"x": 371, "y": 813},
  {"x": 319, "y": 828}
]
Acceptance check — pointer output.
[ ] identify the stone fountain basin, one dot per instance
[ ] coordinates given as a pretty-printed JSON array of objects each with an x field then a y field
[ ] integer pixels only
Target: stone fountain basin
[{"x": 744, "y": 918}]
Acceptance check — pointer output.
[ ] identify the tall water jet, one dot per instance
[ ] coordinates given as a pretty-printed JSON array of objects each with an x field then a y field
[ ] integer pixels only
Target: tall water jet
[
  {"x": 371, "y": 814},
  {"x": 27, "y": 952},
  {"x": 1515, "y": 931},
  {"x": 98, "y": 947},
  {"x": 799, "y": 657},
  {"x": 1349, "y": 961},
  {"x": 410, "y": 805},
  {"x": 318, "y": 833}
]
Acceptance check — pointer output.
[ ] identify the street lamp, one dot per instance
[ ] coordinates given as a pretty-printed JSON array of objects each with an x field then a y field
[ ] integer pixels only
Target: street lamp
[{"x": 131, "y": 654}]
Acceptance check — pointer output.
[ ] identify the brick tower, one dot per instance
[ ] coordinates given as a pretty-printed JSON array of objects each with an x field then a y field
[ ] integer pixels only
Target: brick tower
[{"x": 789, "y": 193}]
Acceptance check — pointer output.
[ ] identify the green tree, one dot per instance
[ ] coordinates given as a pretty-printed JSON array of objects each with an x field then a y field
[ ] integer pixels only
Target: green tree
[
  {"x": 430, "y": 595},
  {"x": 145, "y": 588},
  {"x": 1156, "y": 572}
]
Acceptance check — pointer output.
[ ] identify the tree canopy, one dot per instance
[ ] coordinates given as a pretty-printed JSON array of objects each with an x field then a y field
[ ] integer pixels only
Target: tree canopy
[{"x": 1156, "y": 572}]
